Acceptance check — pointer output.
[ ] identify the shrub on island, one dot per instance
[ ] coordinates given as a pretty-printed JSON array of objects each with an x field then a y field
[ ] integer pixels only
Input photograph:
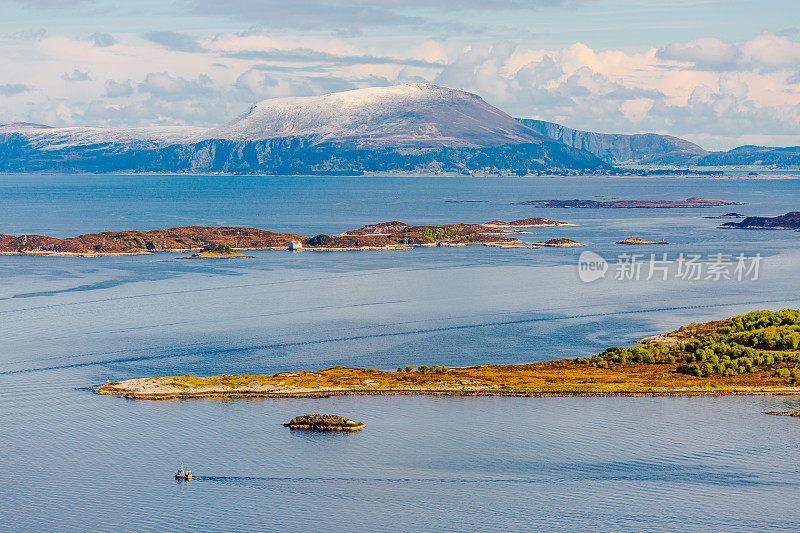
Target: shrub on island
[
  {"x": 319, "y": 240},
  {"x": 439, "y": 369},
  {"x": 217, "y": 248},
  {"x": 761, "y": 340}
]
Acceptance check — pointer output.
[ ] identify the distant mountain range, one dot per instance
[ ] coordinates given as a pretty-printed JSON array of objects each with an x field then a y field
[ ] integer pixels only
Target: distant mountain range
[
  {"x": 415, "y": 127},
  {"x": 412, "y": 128},
  {"x": 652, "y": 148}
]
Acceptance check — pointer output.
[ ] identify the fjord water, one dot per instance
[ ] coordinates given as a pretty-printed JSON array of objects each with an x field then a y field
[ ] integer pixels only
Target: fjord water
[{"x": 70, "y": 459}]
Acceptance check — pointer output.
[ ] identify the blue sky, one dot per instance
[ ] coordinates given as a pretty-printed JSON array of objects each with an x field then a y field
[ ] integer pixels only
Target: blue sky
[{"x": 720, "y": 73}]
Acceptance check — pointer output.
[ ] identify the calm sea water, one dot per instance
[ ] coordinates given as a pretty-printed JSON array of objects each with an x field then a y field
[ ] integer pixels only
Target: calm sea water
[{"x": 72, "y": 460}]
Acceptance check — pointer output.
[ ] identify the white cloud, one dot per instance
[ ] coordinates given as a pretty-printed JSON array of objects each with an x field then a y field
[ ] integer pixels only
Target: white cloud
[
  {"x": 698, "y": 96},
  {"x": 765, "y": 52},
  {"x": 115, "y": 89},
  {"x": 166, "y": 86},
  {"x": 708, "y": 52},
  {"x": 771, "y": 52}
]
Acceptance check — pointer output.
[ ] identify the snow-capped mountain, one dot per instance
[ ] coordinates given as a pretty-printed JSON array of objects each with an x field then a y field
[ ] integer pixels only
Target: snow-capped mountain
[
  {"x": 417, "y": 115},
  {"x": 414, "y": 127}
]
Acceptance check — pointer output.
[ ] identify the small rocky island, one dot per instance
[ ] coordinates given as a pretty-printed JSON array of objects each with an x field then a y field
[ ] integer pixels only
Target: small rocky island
[
  {"x": 628, "y": 204},
  {"x": 536, "y": 222},
  {"x": 729, "y": 215},
  {"x": 789, "y": 221},
  {"x": 636, "y": 240},
  {"x": 559, "y": 243},
  {"x": 317, "y": 422}
]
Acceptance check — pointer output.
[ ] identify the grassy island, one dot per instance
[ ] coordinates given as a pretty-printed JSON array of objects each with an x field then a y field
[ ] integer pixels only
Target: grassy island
[{"x": 756, "y": 353}]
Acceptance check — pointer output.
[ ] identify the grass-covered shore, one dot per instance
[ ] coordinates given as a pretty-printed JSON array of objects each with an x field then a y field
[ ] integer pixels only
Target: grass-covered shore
[{"x": 757, "y": 353}]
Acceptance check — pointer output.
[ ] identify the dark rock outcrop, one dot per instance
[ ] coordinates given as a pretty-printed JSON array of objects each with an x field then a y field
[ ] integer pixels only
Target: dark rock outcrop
[
  {"x": 318, "y": 422},
  {"x": 787, "y": 221}
]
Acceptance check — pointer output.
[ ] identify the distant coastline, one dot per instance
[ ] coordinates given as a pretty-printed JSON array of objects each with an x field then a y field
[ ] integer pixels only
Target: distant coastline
[
  {"x": 693, "y": 202},
  {"x": 617, "y": 173}
]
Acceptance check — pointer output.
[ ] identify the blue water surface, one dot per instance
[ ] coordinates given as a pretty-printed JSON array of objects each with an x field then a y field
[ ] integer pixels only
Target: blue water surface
[{"x": 72, "y": 460}]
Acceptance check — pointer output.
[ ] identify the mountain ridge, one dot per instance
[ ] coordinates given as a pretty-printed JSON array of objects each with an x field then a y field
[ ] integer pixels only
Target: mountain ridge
[
  {"x": 640, "y": 148},
  {"x": 660, "y": 149}
]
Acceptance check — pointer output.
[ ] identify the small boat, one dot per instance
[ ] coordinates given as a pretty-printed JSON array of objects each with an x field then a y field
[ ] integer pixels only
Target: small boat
[{"x": 183, "y": 474}]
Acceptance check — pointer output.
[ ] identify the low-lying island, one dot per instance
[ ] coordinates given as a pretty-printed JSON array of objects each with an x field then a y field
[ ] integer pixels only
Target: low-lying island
[
  {"x": 553, "y": 378},
  {"x": 753, "y": 354}
]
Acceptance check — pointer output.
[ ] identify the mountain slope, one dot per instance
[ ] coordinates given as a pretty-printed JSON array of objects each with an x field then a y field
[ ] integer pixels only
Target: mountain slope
[{"x": 619, "y": 148}]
